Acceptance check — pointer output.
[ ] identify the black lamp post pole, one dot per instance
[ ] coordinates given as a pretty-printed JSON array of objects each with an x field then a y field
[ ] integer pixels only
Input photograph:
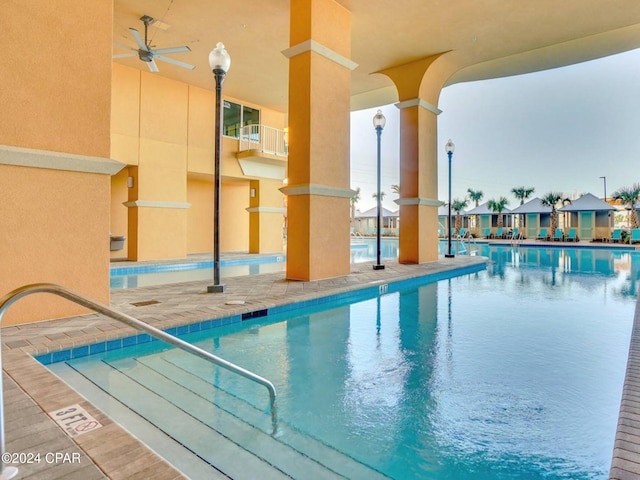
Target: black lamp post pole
[
  {"x": 378, "y": 123},
  {"x": 449, "y": 154},
  {"x": 217, "y": 287}
]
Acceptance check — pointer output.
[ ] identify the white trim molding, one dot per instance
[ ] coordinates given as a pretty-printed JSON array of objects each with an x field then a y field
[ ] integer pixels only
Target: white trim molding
[
  {"x": 418, "y": 102},
  {"x": 326, "y": 52},
  {"x": 315, "y": 189},
  {"x": 27, "y": 157},
  {"x": 279, "y": 210},
  {"x": 156, "y": 204},
  {"x": 428, "y": 202}
]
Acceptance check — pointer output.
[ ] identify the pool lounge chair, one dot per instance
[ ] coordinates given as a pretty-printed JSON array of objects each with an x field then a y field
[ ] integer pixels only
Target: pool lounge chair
[
  {"x": 498, "y": 233},
  {"x": 559, "y": 235},
  {"x": 463, "y": 233},
  {"x": 616, "y": 236},
  {"x": 543, "y": 234},
  {"x": 572, "y": 236},
  {"x": 635, "y": 235},
  {"x": 515, "y": 234},
  {"x": 487, "y": 232}
]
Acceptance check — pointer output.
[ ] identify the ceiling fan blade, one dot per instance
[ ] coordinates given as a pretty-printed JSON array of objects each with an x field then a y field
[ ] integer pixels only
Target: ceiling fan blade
[
  {"x": 175, "y": 62},
  {"x": 125, "y": 55},
  {"x": 138, "y": 39},
  {"x": 152, "y": 66},
  {"x": 162, "y": 51}
]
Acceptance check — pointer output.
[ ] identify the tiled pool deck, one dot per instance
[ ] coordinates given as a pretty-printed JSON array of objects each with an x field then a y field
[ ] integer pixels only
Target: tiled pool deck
[{"x": 30, "y": 389}]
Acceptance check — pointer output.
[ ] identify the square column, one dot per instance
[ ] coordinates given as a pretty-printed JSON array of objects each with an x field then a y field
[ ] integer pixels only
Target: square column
[
  {"x": 319, "y": 121},
  {"x": 418, "y": 239}
]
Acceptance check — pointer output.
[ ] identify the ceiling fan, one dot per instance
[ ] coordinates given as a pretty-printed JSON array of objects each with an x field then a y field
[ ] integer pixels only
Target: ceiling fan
[{"x": 148, "y": 54}]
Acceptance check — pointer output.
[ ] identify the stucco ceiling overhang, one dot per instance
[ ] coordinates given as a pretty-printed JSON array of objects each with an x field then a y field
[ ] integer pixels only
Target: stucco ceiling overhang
[{"x": 482, "y": 40}]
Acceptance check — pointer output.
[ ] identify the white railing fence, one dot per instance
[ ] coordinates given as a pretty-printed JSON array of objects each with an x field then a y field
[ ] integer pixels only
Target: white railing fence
[{"x": 263, "y": 139}]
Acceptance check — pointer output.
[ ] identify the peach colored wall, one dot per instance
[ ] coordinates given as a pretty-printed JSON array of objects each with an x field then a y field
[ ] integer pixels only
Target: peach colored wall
[
  {"x": 45, "y": 105},
  {"x": 165, "y": 128},
  {"x": 55, "y": 98},
  {"x": 200, "y": 216},
  {"x": 125, "y": 114},
  {"x": 234, "y": 218},
  {"x": 56, "y": 231}
]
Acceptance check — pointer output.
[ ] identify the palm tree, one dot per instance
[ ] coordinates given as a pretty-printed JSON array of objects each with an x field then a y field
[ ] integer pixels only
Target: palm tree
[
  {"x": 396, "y": 189},
  {"x": 522, "y": 193},
  {"x": 457, "y": 206},
  {"x": 498, "y": 206},
  {"x": 355, "y": 198},
  {"x": 475, "y": 195},
  {"x": 551, "y": 199},
  {"x": 382, "y": 195},
  {"x": 629, "y": 196}
]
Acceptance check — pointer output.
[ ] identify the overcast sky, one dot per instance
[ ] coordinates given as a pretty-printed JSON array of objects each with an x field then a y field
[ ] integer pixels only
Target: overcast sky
[{"x": 557, "y": 130}]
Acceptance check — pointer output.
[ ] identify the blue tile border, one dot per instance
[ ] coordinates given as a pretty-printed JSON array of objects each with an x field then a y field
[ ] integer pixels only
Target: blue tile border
[
  {"x": 139, "y": 339},
  {"x": 351, "y": 295}
]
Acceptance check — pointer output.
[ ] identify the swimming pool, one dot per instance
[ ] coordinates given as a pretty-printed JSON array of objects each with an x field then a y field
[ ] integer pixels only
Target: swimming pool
[
  {"x": 362, "y": 250},
  {"x": 512, "y": 372},
  {"x": 160, "y": 274}
]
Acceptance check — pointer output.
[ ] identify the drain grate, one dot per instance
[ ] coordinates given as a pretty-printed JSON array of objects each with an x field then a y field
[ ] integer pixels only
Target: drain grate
[
  {"x": 255, "y": 314},
  {"x": 144, "y": 303}
]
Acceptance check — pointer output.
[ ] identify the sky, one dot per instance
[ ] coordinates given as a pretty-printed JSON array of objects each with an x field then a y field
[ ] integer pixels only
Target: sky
[{"x": 558, "y": 130}]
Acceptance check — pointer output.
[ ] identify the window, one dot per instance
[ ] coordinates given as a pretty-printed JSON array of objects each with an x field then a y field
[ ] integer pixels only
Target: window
[{"x": 236, "y": 116}]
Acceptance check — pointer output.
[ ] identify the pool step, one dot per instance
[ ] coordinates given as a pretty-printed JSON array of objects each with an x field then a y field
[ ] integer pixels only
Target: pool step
[
  {"x": 193, "y": 374},
  {"x": 181, "y": 407}
]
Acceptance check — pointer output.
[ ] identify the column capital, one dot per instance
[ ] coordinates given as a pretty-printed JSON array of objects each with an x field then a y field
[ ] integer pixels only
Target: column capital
[
  {"x": 156, "y": 204},
  {"x": 418, "y": 102},
  {"x": 316, "y": 189},
  {"x": 428, "y": 202},
  {"x": 279, "y": 210},
  {"x": 316, "y": 47}
]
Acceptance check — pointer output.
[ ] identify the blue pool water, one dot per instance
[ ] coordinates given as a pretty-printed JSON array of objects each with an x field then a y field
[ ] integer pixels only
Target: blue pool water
[
  {"x": 513, "y": 372},
  {"x": 144, "y": 276}
]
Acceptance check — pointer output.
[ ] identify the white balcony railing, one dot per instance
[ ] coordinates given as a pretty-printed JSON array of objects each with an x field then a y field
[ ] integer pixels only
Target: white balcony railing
[{"x": 263, "y": 139}]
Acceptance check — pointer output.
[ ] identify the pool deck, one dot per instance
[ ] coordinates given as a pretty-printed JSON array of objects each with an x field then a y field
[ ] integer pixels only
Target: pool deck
[{"x": 31, "y": 390}]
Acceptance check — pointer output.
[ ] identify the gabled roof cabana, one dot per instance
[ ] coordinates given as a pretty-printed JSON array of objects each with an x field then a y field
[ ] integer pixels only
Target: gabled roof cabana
[
  {"x": 443, "y": 218},
  {"x": 534, "y": 215},
  {"x": 487, "y": 218},
  {"x": 591, "y": 216},
  {"x": 366, "y": 222}
]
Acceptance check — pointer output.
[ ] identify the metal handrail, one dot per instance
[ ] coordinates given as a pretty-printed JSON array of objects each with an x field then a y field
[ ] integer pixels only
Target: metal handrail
[{"x": 7, "y": 300}]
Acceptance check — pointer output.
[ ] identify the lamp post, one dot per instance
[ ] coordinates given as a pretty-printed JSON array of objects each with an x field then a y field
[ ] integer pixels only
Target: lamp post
[
  {"x": 219, "y": 61},
  {"x": 378, "y": 123},
  {"x": 449, "y": 148}
]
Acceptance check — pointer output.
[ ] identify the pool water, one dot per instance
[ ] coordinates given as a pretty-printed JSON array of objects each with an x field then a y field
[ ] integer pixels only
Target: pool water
[
  {"x": 144, "y": 276},
  {"x": 513, "y": 372}
]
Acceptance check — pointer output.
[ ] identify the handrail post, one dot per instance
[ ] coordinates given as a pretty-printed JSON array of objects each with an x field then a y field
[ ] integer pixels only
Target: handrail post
[{"x": 6, "y": 301}]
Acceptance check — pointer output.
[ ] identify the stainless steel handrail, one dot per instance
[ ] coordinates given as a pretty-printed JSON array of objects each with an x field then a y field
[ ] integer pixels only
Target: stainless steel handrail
[{"x": 7, "y": 300}]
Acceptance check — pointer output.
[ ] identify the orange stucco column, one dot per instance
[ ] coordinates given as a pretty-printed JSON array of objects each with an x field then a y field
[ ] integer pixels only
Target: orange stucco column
[
  {"x": 318, "y": 170},
  {"x": 418, "y": 92},
  {"x": 55, "y": 166},
  {"x": 418, "y": 236}
]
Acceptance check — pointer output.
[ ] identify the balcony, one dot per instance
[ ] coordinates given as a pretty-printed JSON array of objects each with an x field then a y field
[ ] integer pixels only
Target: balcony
[{"x": 262, "y": 152}]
